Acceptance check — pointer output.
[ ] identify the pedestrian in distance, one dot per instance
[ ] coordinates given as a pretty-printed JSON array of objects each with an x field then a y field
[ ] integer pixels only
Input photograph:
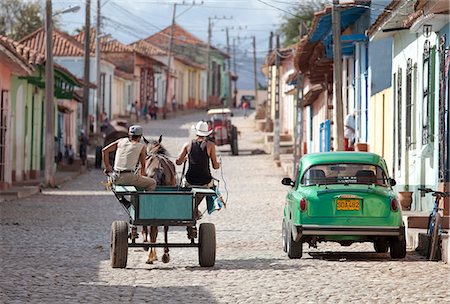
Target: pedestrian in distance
[
  {"x": 152, "y": 111},
  {"x": 129, "y": 152},
  {"x": 245, "y": 108},
  {"x": 83, "y": 141},
  {"x": 349, "y": 132},
  {"x": 174, "y": 103}
]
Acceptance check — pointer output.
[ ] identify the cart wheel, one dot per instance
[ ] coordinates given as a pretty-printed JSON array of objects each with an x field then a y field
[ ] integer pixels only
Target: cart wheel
[
  {"x": 234, "y": 141},
  {"x": 207, "y": 245},
  {"x": 119, "y": 244}
]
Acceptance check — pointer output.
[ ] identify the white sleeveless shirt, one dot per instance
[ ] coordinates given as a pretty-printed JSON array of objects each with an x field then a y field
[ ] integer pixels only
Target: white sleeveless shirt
[{"x": 127, "y": 154}]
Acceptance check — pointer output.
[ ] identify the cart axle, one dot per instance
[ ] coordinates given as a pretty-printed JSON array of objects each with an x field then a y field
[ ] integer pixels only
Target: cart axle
[{"x": 162, "y": 245}]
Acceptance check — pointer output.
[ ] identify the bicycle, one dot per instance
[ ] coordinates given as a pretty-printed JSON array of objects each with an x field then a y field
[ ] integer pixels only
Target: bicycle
[{"x": 434, "y": 229}]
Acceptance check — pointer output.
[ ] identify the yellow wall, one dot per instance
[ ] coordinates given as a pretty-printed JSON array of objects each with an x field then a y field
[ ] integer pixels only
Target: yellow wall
[{"x": 381, "y": 134}]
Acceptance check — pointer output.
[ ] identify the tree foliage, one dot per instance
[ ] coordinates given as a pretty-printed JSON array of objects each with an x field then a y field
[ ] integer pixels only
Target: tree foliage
[
  {"x": 301, "y": 13},
  {"x": 19, "y": 18}
]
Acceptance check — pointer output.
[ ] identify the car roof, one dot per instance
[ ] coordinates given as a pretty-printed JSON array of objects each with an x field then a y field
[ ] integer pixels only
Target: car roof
[
  {"x": 219, "y": 111},
  {"x": 311, "y": 159}
]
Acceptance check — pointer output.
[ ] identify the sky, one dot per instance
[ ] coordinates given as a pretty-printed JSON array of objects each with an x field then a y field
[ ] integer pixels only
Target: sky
[{"x": 131, "y": 20}]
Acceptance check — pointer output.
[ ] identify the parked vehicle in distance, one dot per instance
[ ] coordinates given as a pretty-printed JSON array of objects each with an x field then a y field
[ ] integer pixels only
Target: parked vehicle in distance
[
  {"x": 343, "y": 197},
  {"x": 224, "y": 132}
]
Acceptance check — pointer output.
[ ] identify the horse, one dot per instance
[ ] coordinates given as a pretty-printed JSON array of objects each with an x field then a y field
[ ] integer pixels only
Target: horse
[{"x": 162, "y": 169}]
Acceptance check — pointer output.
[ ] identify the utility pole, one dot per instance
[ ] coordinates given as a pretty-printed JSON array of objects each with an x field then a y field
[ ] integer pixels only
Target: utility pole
[
  {"x": 337, "y": 75},
  {"x": 235, "y": 72},
  {"x": 208, "y": 63},
  {"x": 298, "y": 130},
  {"x": 255, "y": 73},
  {"x": 169, "y": 59},
  {"x": 269, "y": 89},
  {"x": 208, "y": 68},
  {"x": 87, "y": 53},
  {"x": 49, "y": 102},
  {"x": 276, "y": 127},
  {"x": 298, "y": 109},
  {"x": 97, "y": 64},
  {"x": 229, "y": 70}
]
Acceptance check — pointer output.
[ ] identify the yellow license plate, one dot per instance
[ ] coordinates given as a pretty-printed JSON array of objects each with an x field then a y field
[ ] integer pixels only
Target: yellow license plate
[{"x": 347, "y": 204}]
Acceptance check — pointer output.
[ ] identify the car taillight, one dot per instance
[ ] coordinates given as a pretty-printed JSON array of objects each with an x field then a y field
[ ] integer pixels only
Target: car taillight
[
  {"x": 303, "y": 204},
  {"x": 394, "y": 204}
]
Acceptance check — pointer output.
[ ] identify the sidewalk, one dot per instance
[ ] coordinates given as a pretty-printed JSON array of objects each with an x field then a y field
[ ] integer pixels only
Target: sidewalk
[{"x": 31, "y": 187}]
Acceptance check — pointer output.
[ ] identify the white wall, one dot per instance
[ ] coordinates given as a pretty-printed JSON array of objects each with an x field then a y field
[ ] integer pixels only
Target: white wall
[{"x": 418, "y": 163}]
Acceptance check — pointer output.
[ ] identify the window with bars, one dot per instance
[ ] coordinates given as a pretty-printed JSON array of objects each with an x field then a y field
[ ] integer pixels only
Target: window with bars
[
  {"x": 428, "y": 93},
  {"x": 409, "y": 104}
]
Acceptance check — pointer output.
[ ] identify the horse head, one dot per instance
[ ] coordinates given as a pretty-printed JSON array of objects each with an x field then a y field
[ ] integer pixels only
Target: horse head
[{"x": 157, "y": 164}]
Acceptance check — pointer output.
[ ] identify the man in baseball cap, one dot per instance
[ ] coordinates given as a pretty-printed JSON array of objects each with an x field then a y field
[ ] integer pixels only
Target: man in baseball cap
[{"x": 129, "y": 151}]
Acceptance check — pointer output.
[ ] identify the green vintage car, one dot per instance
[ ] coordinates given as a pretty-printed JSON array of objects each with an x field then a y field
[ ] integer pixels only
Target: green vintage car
[{"x": 342, "y": 197}]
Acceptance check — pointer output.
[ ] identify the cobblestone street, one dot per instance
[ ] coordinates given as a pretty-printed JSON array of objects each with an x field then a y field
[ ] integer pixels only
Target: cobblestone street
[{"x": 54, "y": 247}]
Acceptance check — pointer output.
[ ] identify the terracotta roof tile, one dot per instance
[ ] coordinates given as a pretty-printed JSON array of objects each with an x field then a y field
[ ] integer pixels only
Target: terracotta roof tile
[
  {"x": 180, "y": 36},
  {"x": 63, "y": 44},
  {"x": 107, "y": 46},
  {"x": 147, "y": 49},
  {"x": 27, "y": 55}
]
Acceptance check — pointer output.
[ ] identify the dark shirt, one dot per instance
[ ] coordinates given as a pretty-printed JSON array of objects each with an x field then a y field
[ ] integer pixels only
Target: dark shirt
[{"x": 198, "y": 172}]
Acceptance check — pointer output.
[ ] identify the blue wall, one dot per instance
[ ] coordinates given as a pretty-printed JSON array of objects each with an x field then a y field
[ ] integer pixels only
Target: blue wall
[{"x": 380, "y": 62}]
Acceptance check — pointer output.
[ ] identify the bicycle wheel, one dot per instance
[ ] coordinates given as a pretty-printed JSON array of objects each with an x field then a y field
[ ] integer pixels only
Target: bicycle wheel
[{"x": 434, "y": 248}]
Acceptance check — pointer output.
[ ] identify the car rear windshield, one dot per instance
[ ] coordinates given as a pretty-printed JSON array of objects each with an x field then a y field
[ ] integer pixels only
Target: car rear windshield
[{"x": 345, "y": 174}]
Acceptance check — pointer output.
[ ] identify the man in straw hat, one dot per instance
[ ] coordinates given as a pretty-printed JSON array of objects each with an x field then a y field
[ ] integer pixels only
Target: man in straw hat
[{"x": 199, "y": 151}]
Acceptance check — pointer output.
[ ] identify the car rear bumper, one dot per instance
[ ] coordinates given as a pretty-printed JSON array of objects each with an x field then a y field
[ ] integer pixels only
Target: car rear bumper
[{"x": 322, "y": 230}]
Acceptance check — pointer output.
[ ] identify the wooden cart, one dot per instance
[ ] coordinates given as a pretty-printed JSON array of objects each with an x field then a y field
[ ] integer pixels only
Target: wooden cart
[{"x": 166, "y": 206}]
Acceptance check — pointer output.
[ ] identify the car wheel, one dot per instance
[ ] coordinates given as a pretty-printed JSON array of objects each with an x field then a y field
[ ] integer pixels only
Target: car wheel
[
  {"x": 294, "y": 249},
  {"x": 381, "y": 246},
  {"x": 398, "y": 246},
  {"x": 284, "y": 235}
]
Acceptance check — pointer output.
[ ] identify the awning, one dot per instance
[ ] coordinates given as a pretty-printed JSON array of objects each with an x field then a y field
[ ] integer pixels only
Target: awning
[
  {"x": 347, "y": 44},
  {"x": 323, "y": 31},
  {"x": 312, "y": 94},
  {"x": 324, "y": 24},
  {"x": 292, "y": 79},
  {"x": 64, "y": 109}
]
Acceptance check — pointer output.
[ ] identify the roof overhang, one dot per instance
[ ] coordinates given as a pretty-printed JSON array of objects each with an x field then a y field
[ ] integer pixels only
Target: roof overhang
[
  {"x": 436, "y": 21},
  {"x": 392, "y": 20}
]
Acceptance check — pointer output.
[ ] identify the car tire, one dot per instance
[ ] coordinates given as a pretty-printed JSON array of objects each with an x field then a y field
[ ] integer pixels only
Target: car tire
[
  {"x": 398, "y": 246},
  {"x": 294, "y": 249},
  {"x": 381, "y": 246},
  {"x": 284, "y": 235}
]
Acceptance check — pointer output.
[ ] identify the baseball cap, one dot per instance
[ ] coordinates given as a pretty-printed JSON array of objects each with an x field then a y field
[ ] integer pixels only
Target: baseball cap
[{"x": 135, "y": 130}]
